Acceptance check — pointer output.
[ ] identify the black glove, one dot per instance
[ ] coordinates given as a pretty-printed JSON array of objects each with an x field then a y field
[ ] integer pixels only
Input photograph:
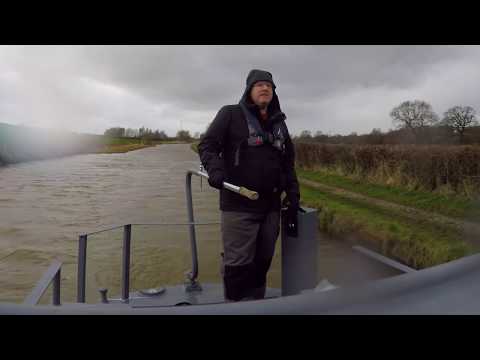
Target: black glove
[
  {"x": 216, "y": 179},
  {"x": 290, "y": 217},
  {"x": 291, "y": 222}
]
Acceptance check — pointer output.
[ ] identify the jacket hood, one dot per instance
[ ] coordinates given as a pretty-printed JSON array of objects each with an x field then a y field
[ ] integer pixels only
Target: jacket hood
[{"x": 253, "y": 77}]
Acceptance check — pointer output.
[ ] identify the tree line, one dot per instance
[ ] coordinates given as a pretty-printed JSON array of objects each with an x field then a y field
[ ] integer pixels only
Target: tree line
[
  {"x": 415, "y": 122},
  {"x": 148, "y": 134}
]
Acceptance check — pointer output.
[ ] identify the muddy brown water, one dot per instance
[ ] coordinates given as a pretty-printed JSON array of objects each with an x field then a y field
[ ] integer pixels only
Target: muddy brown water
[{"x": 46, "y": 205}]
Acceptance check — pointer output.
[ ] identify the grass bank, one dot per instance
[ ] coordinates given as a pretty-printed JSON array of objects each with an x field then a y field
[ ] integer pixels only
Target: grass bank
[
  {"x": 111, "y": 149},
  {"x": 453, "y": 206},
  {"x": 194, "y": 146},
  {"x": 416, "y": 242},
  {"x": 122, "y": 145}
]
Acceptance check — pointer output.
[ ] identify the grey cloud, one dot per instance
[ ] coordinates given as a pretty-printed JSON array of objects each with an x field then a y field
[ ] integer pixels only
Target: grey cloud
[{"x": 339, "y": 88}]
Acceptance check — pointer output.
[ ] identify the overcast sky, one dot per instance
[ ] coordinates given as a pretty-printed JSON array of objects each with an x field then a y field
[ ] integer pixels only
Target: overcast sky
[{"x": 334, "y": 89}]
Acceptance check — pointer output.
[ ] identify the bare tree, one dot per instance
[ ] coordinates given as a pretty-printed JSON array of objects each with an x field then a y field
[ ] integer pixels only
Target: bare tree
[
  {"x": 414, "y": 115},
  {"x": 458, "y": 118}
]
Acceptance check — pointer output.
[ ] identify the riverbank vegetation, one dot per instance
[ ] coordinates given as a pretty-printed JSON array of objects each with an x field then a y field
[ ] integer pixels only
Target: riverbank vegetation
[
  {"x": 430, "y": 190},
  {"x": 117, "y": 140},
  {"x": 412, "y": 193},
  {"x": 416, "y": 238},
  {"x": 446, "y": 169},
  {"x": 20, "y": 143}
]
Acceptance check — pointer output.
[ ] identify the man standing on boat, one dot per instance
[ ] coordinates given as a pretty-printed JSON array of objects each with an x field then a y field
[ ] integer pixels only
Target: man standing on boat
[{"x": 248, "y": 145}]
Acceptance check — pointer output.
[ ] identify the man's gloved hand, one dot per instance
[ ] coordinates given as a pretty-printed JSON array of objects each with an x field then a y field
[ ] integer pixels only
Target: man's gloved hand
[
  {"x": 290, "y": 218},
  {"x": 216, "y": 179}
]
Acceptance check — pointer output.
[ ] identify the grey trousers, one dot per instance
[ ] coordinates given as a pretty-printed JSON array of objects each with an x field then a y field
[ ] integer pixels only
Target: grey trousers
[{"x": 249, "y": 244}]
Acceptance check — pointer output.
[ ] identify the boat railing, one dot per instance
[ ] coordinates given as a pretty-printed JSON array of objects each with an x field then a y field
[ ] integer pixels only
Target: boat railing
[
  {"x": 126, "y": 250},
  {"x": 52, "y": 274},
  {"x": 126, "y": 257}
]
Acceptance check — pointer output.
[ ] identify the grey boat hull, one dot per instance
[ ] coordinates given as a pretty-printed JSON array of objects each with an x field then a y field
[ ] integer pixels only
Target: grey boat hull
[{"x": 451, "y": 288}]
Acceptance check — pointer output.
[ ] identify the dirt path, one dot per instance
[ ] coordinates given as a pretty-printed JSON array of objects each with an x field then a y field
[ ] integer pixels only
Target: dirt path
[{"x": 470, "y": 230}]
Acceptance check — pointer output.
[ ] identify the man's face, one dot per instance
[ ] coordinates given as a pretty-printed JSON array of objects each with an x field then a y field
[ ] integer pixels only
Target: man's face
[{"x": 261, "y": 93}]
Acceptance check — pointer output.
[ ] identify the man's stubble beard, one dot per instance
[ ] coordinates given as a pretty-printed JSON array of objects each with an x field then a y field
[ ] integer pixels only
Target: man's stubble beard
[{"x": 263, "y": 106}]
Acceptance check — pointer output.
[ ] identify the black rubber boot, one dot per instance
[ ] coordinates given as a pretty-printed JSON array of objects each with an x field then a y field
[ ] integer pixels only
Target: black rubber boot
[
  {"x": 260, "y": 279},
  {"x": 259, "y": 293},
  {"x": 238, "y": 282}
]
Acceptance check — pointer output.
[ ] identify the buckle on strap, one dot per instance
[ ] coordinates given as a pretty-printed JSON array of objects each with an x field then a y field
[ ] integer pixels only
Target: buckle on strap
[{"x": 255, "y": 141}]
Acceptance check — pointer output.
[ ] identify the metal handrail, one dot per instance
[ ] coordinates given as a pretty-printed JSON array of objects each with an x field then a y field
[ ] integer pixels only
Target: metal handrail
[
  {"x": 192, "y": 275},
  {"x": 150, "y": 224},
  {"x": 52, "y": 274},
  {"x": 127, "y": 236}
]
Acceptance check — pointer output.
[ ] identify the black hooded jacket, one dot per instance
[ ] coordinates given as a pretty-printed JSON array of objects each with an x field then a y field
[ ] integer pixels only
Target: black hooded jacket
[{"x": 261, "y": 168}]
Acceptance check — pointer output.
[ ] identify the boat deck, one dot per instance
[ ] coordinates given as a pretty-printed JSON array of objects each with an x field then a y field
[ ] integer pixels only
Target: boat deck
[{"x": 177, "y": 296}]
